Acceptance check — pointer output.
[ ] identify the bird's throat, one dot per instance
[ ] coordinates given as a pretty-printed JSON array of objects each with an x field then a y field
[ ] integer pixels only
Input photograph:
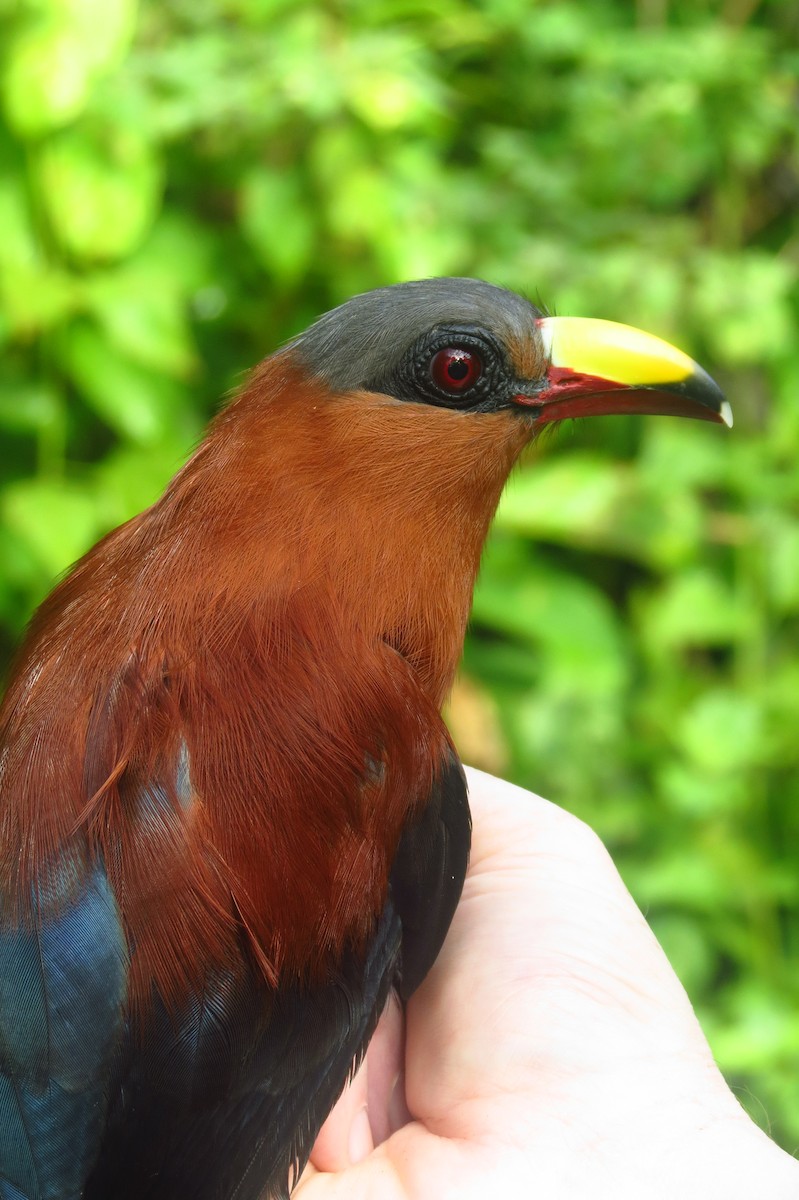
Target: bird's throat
[{"x": 384, "y": 505}]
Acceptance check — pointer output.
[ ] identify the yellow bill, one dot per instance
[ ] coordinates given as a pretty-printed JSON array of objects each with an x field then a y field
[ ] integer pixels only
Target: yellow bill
[{"x": 603, "y": 367}]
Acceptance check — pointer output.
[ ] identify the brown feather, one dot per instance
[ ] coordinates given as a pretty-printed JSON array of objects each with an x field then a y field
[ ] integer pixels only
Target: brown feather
[{"x": 292, "y": 610}]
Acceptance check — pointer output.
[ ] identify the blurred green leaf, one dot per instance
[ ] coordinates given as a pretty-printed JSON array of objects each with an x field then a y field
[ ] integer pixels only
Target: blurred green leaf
[
  {"x": 18, "y": 246},
  {"x": 568, "y": 619},
  {"x": 136, "y": 402},
  {"x": 565, "y": 498},
  {"x": 47, "y": 78},
  {"x": 105, "y": 27},
  {"x": 277, "y": 223},
  {"x": 57, "y": 522},
  {"x": 723, "y": 730},
  {"x": 36, "y": 299},
  {"x": 604, "y": 506},
  {"x": 782, "y": 549},
  {"x": 745, "y": 298},
  {"x": 683, "y": 943},
  {"x": 694, "y": 608},
  {"x": 100, "y": 190},
  {"x": 54, "y": 60},
  {"x": 149, "y": 324},
  {"x": 28, "y": 407}
]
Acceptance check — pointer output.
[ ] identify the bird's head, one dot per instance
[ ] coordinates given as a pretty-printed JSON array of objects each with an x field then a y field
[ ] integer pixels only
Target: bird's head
[
  {"x": 384, "y": 434},
  {"x": 367, "y": 457},
  {"x": 468, "y": 346}
]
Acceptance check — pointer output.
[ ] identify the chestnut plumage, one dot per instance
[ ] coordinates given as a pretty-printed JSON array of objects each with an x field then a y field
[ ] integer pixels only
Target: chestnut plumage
[{"x": 231, "y": 817}]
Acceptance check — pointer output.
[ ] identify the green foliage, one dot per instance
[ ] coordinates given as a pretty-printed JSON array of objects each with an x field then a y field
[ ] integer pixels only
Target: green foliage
[{"x": 185, "y": 183}]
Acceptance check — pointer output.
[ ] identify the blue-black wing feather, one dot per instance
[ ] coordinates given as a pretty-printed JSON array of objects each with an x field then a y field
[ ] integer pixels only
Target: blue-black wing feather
[
  {"x": 223, "y": 1098},
  {"x": 63, "y": 983},
  {"x": 191, "y": 1119},
  {"x": 428, "y": 872}
]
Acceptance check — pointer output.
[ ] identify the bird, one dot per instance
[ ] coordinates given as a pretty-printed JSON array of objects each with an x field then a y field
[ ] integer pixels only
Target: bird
[{"x": 232, "y": 819}]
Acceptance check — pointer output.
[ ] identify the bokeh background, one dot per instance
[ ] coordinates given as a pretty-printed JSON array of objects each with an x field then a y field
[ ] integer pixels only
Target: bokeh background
[{"x": 186, "y": 183}]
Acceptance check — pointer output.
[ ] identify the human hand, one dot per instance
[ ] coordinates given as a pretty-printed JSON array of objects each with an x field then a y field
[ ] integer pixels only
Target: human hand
[{"x": 550, "y": 1053}]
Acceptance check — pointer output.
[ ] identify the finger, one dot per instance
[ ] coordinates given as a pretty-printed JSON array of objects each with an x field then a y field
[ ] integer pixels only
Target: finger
[
  {"x": 385, "y": 1074},
  {"x": 411, "y": 1164},
  {"x": 346, "y": 1136},
  {"x": 373, "y": 1106}
]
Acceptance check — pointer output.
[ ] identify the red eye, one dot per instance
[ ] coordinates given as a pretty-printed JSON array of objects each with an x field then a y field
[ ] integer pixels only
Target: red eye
[{"x": 455, "y": 370}]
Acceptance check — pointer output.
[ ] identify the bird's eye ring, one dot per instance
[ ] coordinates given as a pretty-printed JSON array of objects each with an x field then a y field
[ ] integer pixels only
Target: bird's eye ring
[{"x": 455, "y": 369}]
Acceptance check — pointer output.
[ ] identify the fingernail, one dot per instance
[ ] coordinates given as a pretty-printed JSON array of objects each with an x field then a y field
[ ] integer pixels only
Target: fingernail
[{"x": 361, "y": 1141}]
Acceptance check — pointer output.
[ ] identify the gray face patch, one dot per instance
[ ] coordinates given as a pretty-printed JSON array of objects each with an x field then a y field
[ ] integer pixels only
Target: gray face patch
[{"x": 367, "y": 337}]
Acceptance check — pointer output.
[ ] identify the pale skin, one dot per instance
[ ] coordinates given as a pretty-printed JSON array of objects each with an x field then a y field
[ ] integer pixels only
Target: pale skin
[{"x": 551, "y": 1052}]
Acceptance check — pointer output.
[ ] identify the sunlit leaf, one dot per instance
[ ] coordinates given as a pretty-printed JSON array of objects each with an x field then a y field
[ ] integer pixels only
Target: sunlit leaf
[
  {"x": 135, "y": 402},
  {"x": 277, "y": 223},
  {"x": 695, "y": 608},
  {"x": 53, "y": 63},
  {"x": 59, "y": 523},
  {"x": 101, "y": 191},
  {"x": 723, "y": 730}
]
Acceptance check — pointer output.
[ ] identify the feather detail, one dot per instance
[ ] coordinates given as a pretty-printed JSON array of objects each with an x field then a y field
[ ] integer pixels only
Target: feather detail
[
  {"x": 247, "y": 622},
  {"x": 62, "y": 994},
  {"x": 228, "y": 1093},
  {"x": 219, "y": 730}
]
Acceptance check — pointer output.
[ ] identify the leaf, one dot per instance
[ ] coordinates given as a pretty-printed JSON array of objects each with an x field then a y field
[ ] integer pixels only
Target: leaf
[
  {"x": 133, "y": 477},
  {"x": 696, "y": 608},
  {"x": 147, "y": 324},
  {"x": 19, "y": 245},
  {"x": 578, "y": 499},
  {"x": 101, "y": 190},
  {"x": 28, "y": 406},
  {"x": 277, "y": 222},
  {"x": 135, "y": 402},
  {"x": 52, "y": 64},
  {"x": 573, "y": 496},
  {"x": 58, "y": 522},
  {"x": 36, "y": 299},
  {"x": 723, "y": 731},
  {"x": 565, "y": 616},
  {"x": 47, "y": 80},
  {"x": 106, "y": 27}
]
